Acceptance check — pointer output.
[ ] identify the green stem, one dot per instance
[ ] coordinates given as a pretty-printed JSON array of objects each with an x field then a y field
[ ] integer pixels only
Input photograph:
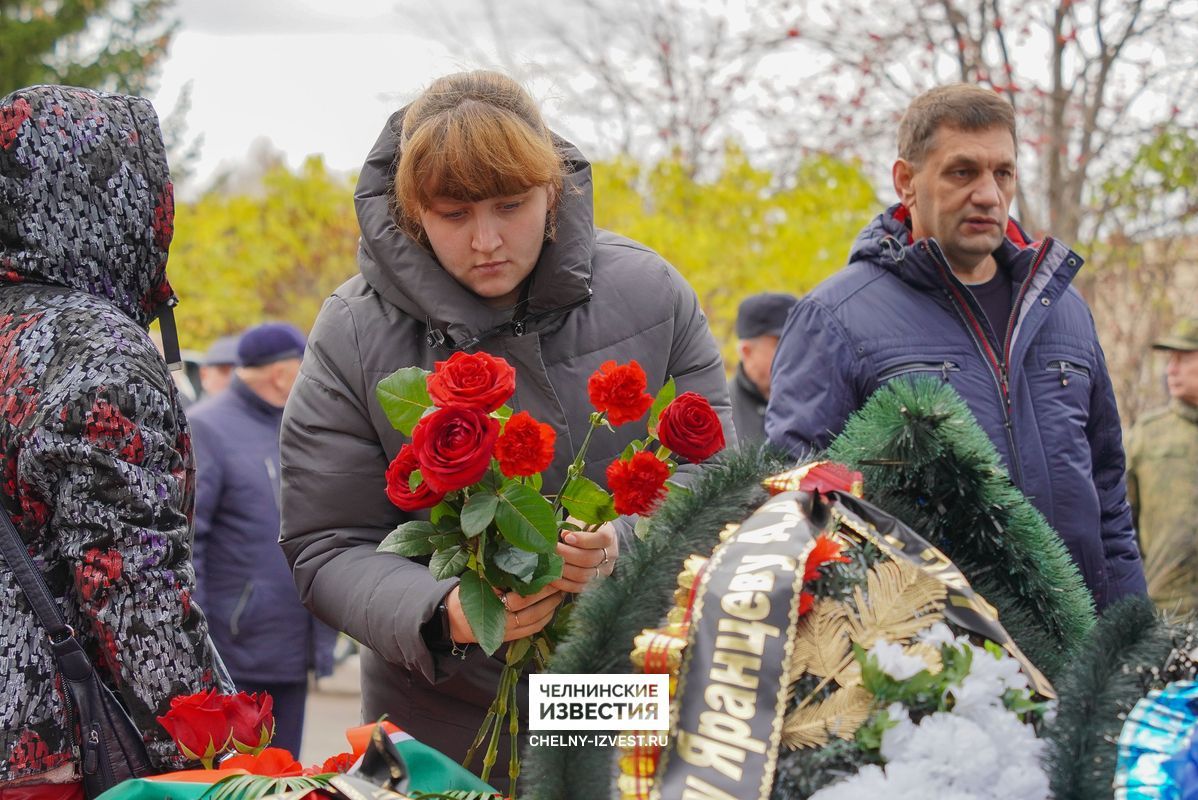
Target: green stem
[
  {"x": 505, "y": 681},
  {"x": 576, "y": 467},
  {"x": 513, "y": 767}
]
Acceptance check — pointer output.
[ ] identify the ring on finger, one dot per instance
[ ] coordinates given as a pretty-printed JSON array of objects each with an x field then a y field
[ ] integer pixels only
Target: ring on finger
[
  {"x": 605, "y": 556},
  {"x": 597, "y": 572},
  {"x": 503, "y": 599},
  {"x": 516, "y": 617}
]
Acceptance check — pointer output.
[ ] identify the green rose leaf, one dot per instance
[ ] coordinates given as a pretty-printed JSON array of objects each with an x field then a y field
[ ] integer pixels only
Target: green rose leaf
[
  {"x": 414, "y": 480},
  {"x": 409, "y": 539},
  {"x": 484, "y": 611},
  {"x": 549, "y": 569},
  {"x": 478, "y": 512},
  {"x": 448, "y": 563},
  {"x": 587, "y": 501},
  {"x": 503, "y": 412},
  {"x": 663, "y": 399},
  {"x": 404, "y": 397},
  {"x": 445, "y": 540},
  {"x": 440, "y": 511},
  {"x": 526, "y": 519},
  {"x": 520, "y": 564}
]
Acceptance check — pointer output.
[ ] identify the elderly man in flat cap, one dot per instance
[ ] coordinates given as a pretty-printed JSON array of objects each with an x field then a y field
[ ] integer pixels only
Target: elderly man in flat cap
[
  {"x": 759, "y": 322},
  {"x": 268, "y": 639},
  {"x": 1162, "y": 477}
]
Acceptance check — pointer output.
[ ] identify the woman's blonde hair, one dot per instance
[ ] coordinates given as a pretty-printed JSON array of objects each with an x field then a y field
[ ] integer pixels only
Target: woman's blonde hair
[{"x": 470, "y": 136}]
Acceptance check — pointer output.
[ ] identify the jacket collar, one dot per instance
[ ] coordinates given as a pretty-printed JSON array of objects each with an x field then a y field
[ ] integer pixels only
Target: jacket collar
[
  {"x": 748, "y": 387},
  {"x": 251, "y": 400},
  {"x": 887, "y": 242},
  {"x": 1184, "y": 410},
  {"x": 408, "y": 276}
]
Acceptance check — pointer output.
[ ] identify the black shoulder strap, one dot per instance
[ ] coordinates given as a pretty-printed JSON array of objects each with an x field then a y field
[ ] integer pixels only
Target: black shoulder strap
[{"x": 30, "y": 580}]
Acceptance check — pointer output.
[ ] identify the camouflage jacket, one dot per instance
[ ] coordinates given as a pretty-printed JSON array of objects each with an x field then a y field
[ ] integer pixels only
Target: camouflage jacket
[
  {"x": 1162, "y": 485},
  {"x": 96, "y": 467}
]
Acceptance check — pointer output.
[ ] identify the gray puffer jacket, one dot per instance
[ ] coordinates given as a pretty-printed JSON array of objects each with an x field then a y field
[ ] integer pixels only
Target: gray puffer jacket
[{"x": 593, "y": 297}]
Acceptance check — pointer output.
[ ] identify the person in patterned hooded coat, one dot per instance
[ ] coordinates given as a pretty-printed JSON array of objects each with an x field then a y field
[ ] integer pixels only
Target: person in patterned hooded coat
[{"x": 95, "y": 454}]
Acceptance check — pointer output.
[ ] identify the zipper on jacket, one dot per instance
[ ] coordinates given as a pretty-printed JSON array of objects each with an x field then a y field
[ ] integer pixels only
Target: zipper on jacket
[
  {"x": 1065, "y": 368},
  {"x": 516, "y": 327},
  {"x": 943, "y": 367},
  {"x": 998, "y": 370},
  {"x": 242, "y": 602}
]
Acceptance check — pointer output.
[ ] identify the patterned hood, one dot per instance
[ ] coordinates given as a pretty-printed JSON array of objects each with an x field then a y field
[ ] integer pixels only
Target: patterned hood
[{"x": 85, "y": 196}]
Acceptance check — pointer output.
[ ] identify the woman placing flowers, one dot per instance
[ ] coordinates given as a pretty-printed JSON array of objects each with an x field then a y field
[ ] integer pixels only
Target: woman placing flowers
[{"x": 477, "y": 238}]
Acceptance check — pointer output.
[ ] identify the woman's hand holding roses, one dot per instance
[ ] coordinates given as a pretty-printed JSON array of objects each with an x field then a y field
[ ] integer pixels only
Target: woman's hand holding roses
[{"x": 588, "y": 554}]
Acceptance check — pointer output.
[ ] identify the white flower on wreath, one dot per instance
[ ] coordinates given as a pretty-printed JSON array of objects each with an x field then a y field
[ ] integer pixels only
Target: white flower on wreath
[{"x": 895, "y": 661}]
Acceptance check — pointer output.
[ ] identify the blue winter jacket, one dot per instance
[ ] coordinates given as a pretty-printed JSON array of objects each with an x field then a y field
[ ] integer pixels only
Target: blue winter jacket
[
  {"x": 260, "y": 628},
  {"x": 898, "y": 310}
]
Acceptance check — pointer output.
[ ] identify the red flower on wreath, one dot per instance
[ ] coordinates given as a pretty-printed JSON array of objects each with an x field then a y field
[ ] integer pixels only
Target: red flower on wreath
[
  {"x": 273, "y": 761},
  {"x": 690, "y": 427},
  {"x": 525, "y": 447},
  {"x": 472, "y": 380},
  {"x": 825, "y": 551},
  {"x": 454, "y": 447},
  {"x": 619, "y": 391},
  {"x": 399, "y": 490},
  {"x": 638, "y": 484}
]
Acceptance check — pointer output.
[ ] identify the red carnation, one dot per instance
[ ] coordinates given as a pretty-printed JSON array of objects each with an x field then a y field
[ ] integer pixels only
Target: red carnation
[
  {"x": 454, "y": 446},
  {"x": 638, "y": 484},
  {"x": 525, "y": 447},
  {"x": 472, "y": 380},
  {"x": 199, "y": 726},
  {"x": 619, "y": 390},
  {"x": 399, "y": 489},
  {"x": 252, "y": 719},
  {"x": 690, "y": 427}
]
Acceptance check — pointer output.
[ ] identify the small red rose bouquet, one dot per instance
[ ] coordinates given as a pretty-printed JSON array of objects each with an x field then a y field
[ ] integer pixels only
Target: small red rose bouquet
[
  {"x": 477, "y": 466},
  {"x": 209, "y": 724}
]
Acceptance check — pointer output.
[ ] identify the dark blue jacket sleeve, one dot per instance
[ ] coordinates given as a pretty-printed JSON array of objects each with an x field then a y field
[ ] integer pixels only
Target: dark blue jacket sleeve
[
  {"x": 1125, "y": 571},
  {"x": 814, "y": 383}
]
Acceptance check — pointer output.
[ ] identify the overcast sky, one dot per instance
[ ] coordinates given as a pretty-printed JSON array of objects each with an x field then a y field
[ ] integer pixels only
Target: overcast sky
[{"x": 314, "y": 76}]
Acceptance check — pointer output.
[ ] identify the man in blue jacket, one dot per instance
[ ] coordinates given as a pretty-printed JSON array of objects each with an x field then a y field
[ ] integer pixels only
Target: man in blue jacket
[
  {"x": 946, "y": 284},
  {"x": 267, "y": 638}
]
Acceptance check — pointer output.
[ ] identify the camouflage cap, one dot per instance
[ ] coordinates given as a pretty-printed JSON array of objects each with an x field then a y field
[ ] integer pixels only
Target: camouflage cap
[{"x": 1184, "y": 336}]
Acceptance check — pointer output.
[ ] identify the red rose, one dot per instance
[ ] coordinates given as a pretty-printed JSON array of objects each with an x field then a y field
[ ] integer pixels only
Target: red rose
[
  {"x": 472, "y": 380},
  {"x": 525, "y": 447},
  {"x": 252, "y": 720},
  {"x": 619, "y": 390},
  {"x": 398, "y": 486},
  {"x": 273, "y": 761},
  {"x": 454, "y": 446},
  {"x": 639, "y": 484},
  {"x": 199, "y": 726},
  {"x": 690, "y": 427}
]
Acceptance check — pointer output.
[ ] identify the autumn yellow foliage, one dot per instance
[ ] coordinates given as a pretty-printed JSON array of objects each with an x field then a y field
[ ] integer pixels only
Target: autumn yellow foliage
[{"x": 239, "y": 260}]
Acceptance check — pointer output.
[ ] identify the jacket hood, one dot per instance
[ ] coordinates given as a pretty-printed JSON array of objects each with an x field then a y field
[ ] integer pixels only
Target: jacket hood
[
  {"x": 887, "y": 242},
  {"x": 85, "y": 196},
  {"x": 407, "y": 274}
]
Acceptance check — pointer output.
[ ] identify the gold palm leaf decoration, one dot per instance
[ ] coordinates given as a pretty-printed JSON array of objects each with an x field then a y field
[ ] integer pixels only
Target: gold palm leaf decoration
[
  {"x": 900, "y": 600},
  {"x": 822, "y": 641},
  {"x": 840, "y": 715}
]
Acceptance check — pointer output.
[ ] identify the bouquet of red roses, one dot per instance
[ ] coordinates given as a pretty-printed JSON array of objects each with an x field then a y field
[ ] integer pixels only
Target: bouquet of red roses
[{"x": 477, "y": 465}]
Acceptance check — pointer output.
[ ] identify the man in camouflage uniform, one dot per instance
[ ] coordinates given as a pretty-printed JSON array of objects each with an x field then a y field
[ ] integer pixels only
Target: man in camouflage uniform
[{"x": 1162, "y": 477}]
